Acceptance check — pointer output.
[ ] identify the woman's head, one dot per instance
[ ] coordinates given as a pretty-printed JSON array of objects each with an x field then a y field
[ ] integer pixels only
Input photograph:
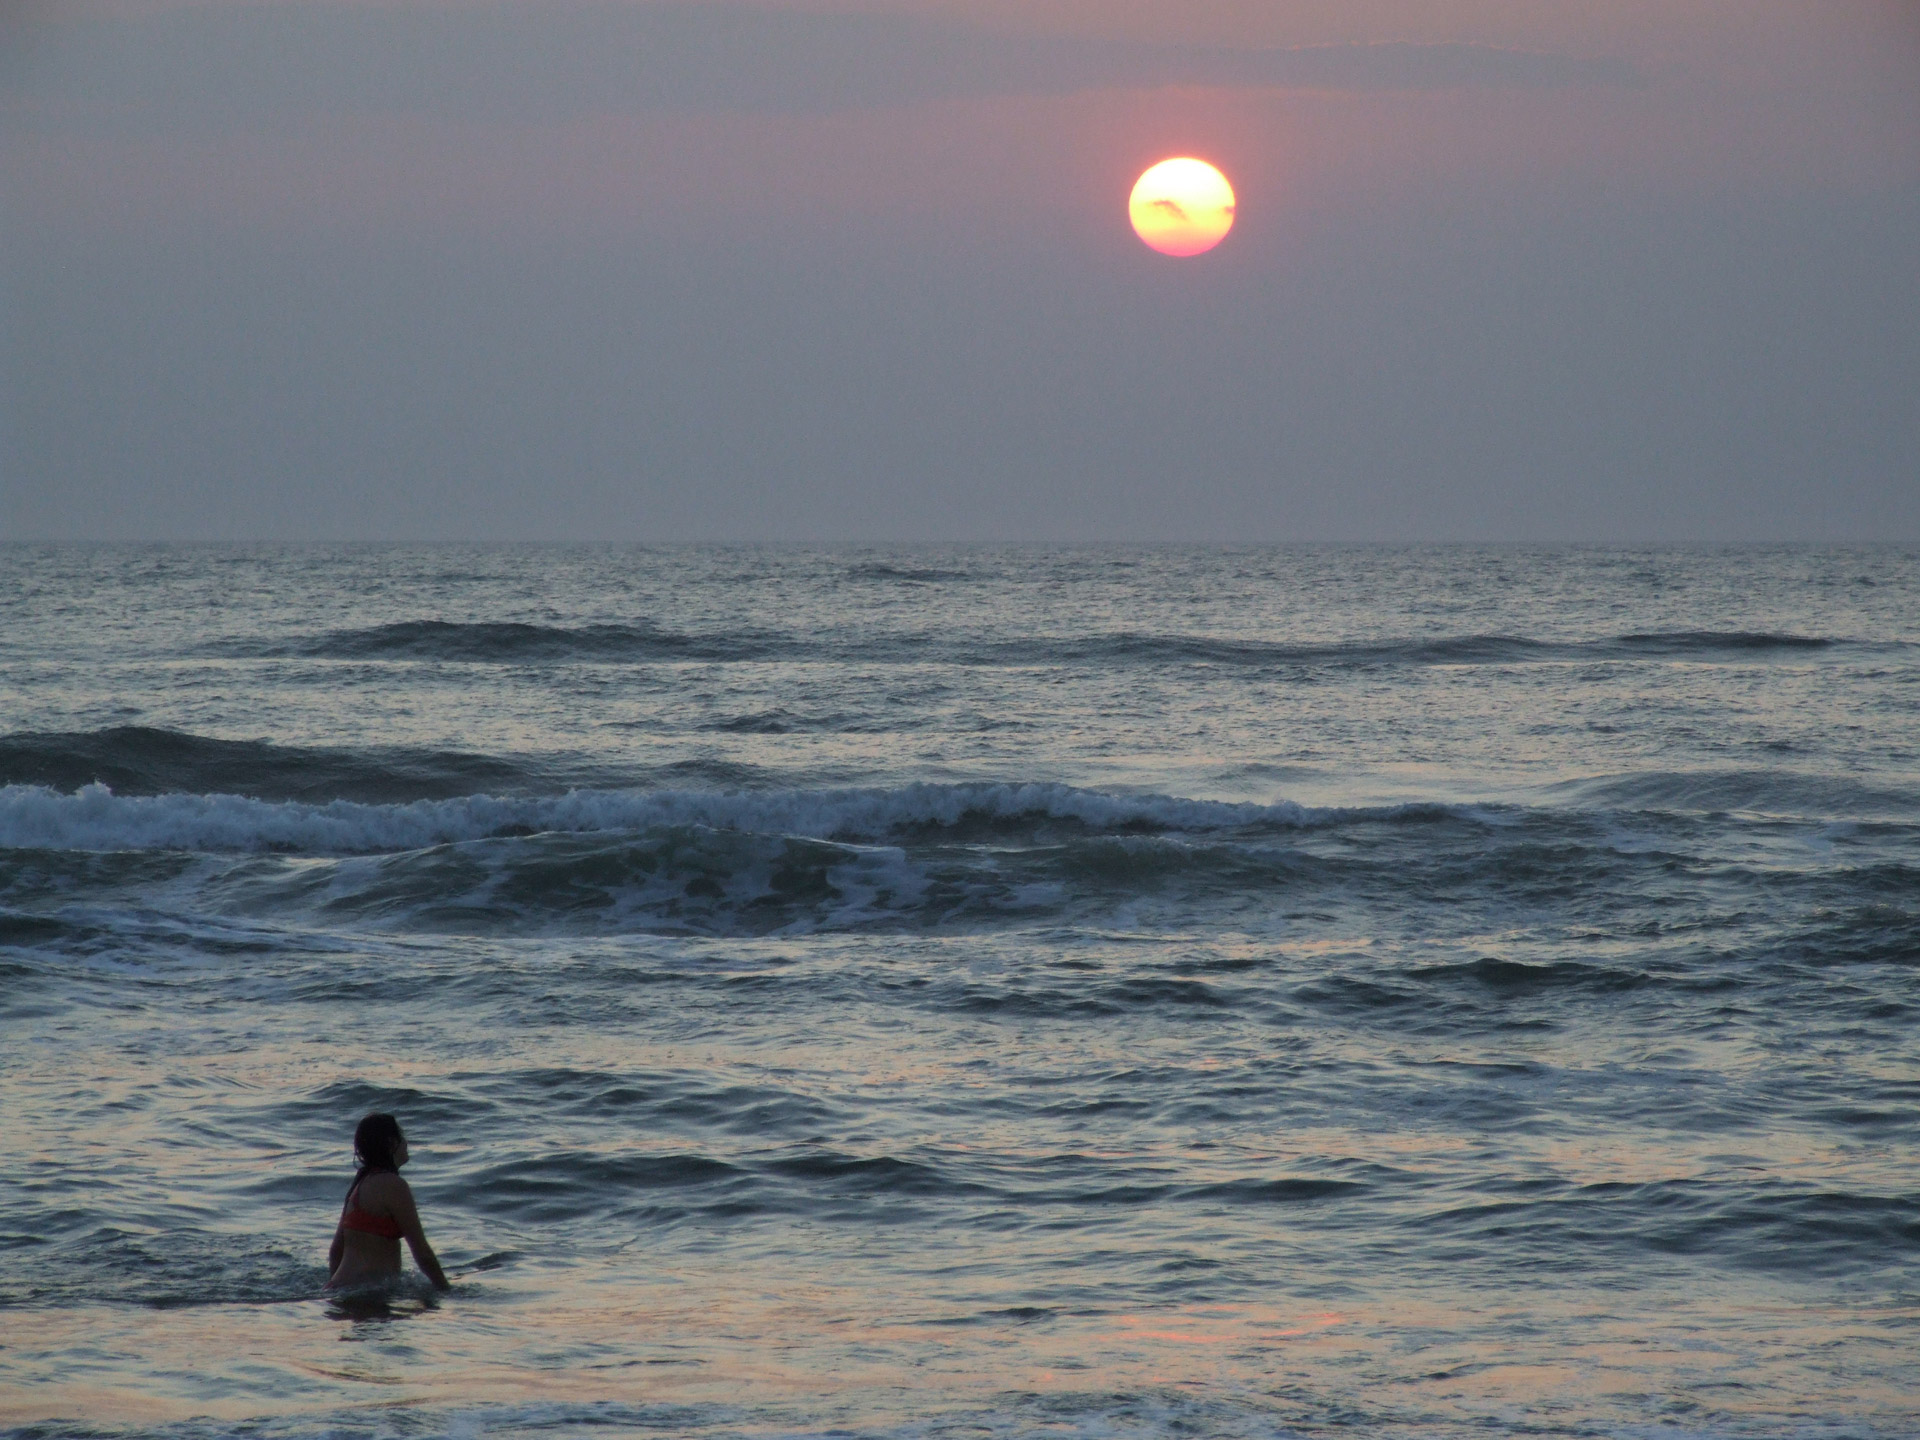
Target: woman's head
[{"x": 378, "y": 1143}]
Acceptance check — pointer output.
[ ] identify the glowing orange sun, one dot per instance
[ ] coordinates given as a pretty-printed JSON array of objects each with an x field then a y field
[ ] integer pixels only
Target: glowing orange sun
[{"x": 1181, "y": 207}]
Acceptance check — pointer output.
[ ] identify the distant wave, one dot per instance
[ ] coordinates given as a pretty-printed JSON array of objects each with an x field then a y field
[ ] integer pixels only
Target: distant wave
[
  {"x": 514, "y": 642},
  {"x": 1441, "y": 650},
  {"x": 140, "y": 760},
  {"x": 507, "y": 642}
]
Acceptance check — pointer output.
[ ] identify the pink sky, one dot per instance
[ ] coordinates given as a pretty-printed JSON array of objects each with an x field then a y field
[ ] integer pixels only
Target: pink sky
[
  {"x": 1499, "y": 269},
  {"x": 1737, "y": 95}
]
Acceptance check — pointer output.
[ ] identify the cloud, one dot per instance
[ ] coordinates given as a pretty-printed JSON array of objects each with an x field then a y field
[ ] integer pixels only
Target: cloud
[{"x": 254, "y": 64}]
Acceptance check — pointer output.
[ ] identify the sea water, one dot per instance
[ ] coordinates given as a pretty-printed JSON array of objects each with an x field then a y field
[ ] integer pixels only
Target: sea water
[{"x": 965, "y": 991}]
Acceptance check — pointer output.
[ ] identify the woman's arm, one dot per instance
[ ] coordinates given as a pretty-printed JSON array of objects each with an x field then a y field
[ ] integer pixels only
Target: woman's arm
[
  {"x": 408, "y": 1215},
  {"x": 338, "y": 1248}
]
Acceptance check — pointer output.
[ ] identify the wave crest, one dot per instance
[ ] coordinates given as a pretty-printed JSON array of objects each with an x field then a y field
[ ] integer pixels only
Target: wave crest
[{"x": 94, "y": 818}]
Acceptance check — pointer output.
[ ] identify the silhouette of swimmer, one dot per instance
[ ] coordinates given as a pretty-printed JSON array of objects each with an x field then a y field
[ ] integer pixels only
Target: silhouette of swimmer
[{"x": 379, "y": 1213}]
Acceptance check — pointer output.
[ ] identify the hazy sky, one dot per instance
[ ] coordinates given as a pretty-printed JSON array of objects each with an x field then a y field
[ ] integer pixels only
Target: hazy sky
[{"x": 615, "y": 269}]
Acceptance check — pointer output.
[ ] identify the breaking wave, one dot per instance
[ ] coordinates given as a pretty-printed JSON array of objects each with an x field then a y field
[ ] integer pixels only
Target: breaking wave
[{"x": 94, "y": 818}]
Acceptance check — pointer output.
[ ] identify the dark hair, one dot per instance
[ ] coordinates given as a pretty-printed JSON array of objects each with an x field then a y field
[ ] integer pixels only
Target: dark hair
[{"x": 374, "y": 1141}]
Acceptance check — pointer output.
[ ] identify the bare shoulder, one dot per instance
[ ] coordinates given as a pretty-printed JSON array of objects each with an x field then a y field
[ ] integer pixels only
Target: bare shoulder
[{"x": 384, "y": 1189}]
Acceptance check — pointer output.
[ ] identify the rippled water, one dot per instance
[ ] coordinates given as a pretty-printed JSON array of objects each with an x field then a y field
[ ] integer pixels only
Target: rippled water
[{"x": 965, "y": 991}]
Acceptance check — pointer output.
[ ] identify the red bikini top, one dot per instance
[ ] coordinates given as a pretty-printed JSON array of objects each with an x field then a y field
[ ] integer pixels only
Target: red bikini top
[{"x": 355, "y": 1218}]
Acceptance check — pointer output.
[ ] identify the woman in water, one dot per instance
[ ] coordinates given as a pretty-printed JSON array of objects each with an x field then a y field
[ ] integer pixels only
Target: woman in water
[{"x": 379, "y": 1213}]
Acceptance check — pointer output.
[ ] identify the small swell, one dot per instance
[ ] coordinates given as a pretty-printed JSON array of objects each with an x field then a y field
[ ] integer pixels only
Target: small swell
[
  {"x": 1515, "y": 977},
  {"x": 912, "y": 574},
  {"x": 1778, "y": 791},
  {"x": 1275, "y": 1192},
  {"x": 1709, "y": 642}
]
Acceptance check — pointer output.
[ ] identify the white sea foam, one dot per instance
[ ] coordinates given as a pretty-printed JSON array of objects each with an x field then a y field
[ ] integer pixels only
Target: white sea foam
[{"x": 94, "y": 818}]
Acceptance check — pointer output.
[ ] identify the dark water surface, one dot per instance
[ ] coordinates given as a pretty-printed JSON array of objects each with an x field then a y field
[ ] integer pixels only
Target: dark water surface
[{"x": 956, "y": 991}]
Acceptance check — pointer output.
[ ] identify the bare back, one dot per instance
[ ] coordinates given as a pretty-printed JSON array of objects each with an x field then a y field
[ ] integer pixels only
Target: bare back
[{"x": 377, "y": 1214}]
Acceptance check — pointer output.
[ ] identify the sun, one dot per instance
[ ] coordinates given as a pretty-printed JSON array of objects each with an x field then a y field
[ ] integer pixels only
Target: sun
[{"x": 1181, "y": 206}]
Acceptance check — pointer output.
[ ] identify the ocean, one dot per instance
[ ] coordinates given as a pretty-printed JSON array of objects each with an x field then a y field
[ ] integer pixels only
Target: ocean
[{"x": 965, "y": 991}]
